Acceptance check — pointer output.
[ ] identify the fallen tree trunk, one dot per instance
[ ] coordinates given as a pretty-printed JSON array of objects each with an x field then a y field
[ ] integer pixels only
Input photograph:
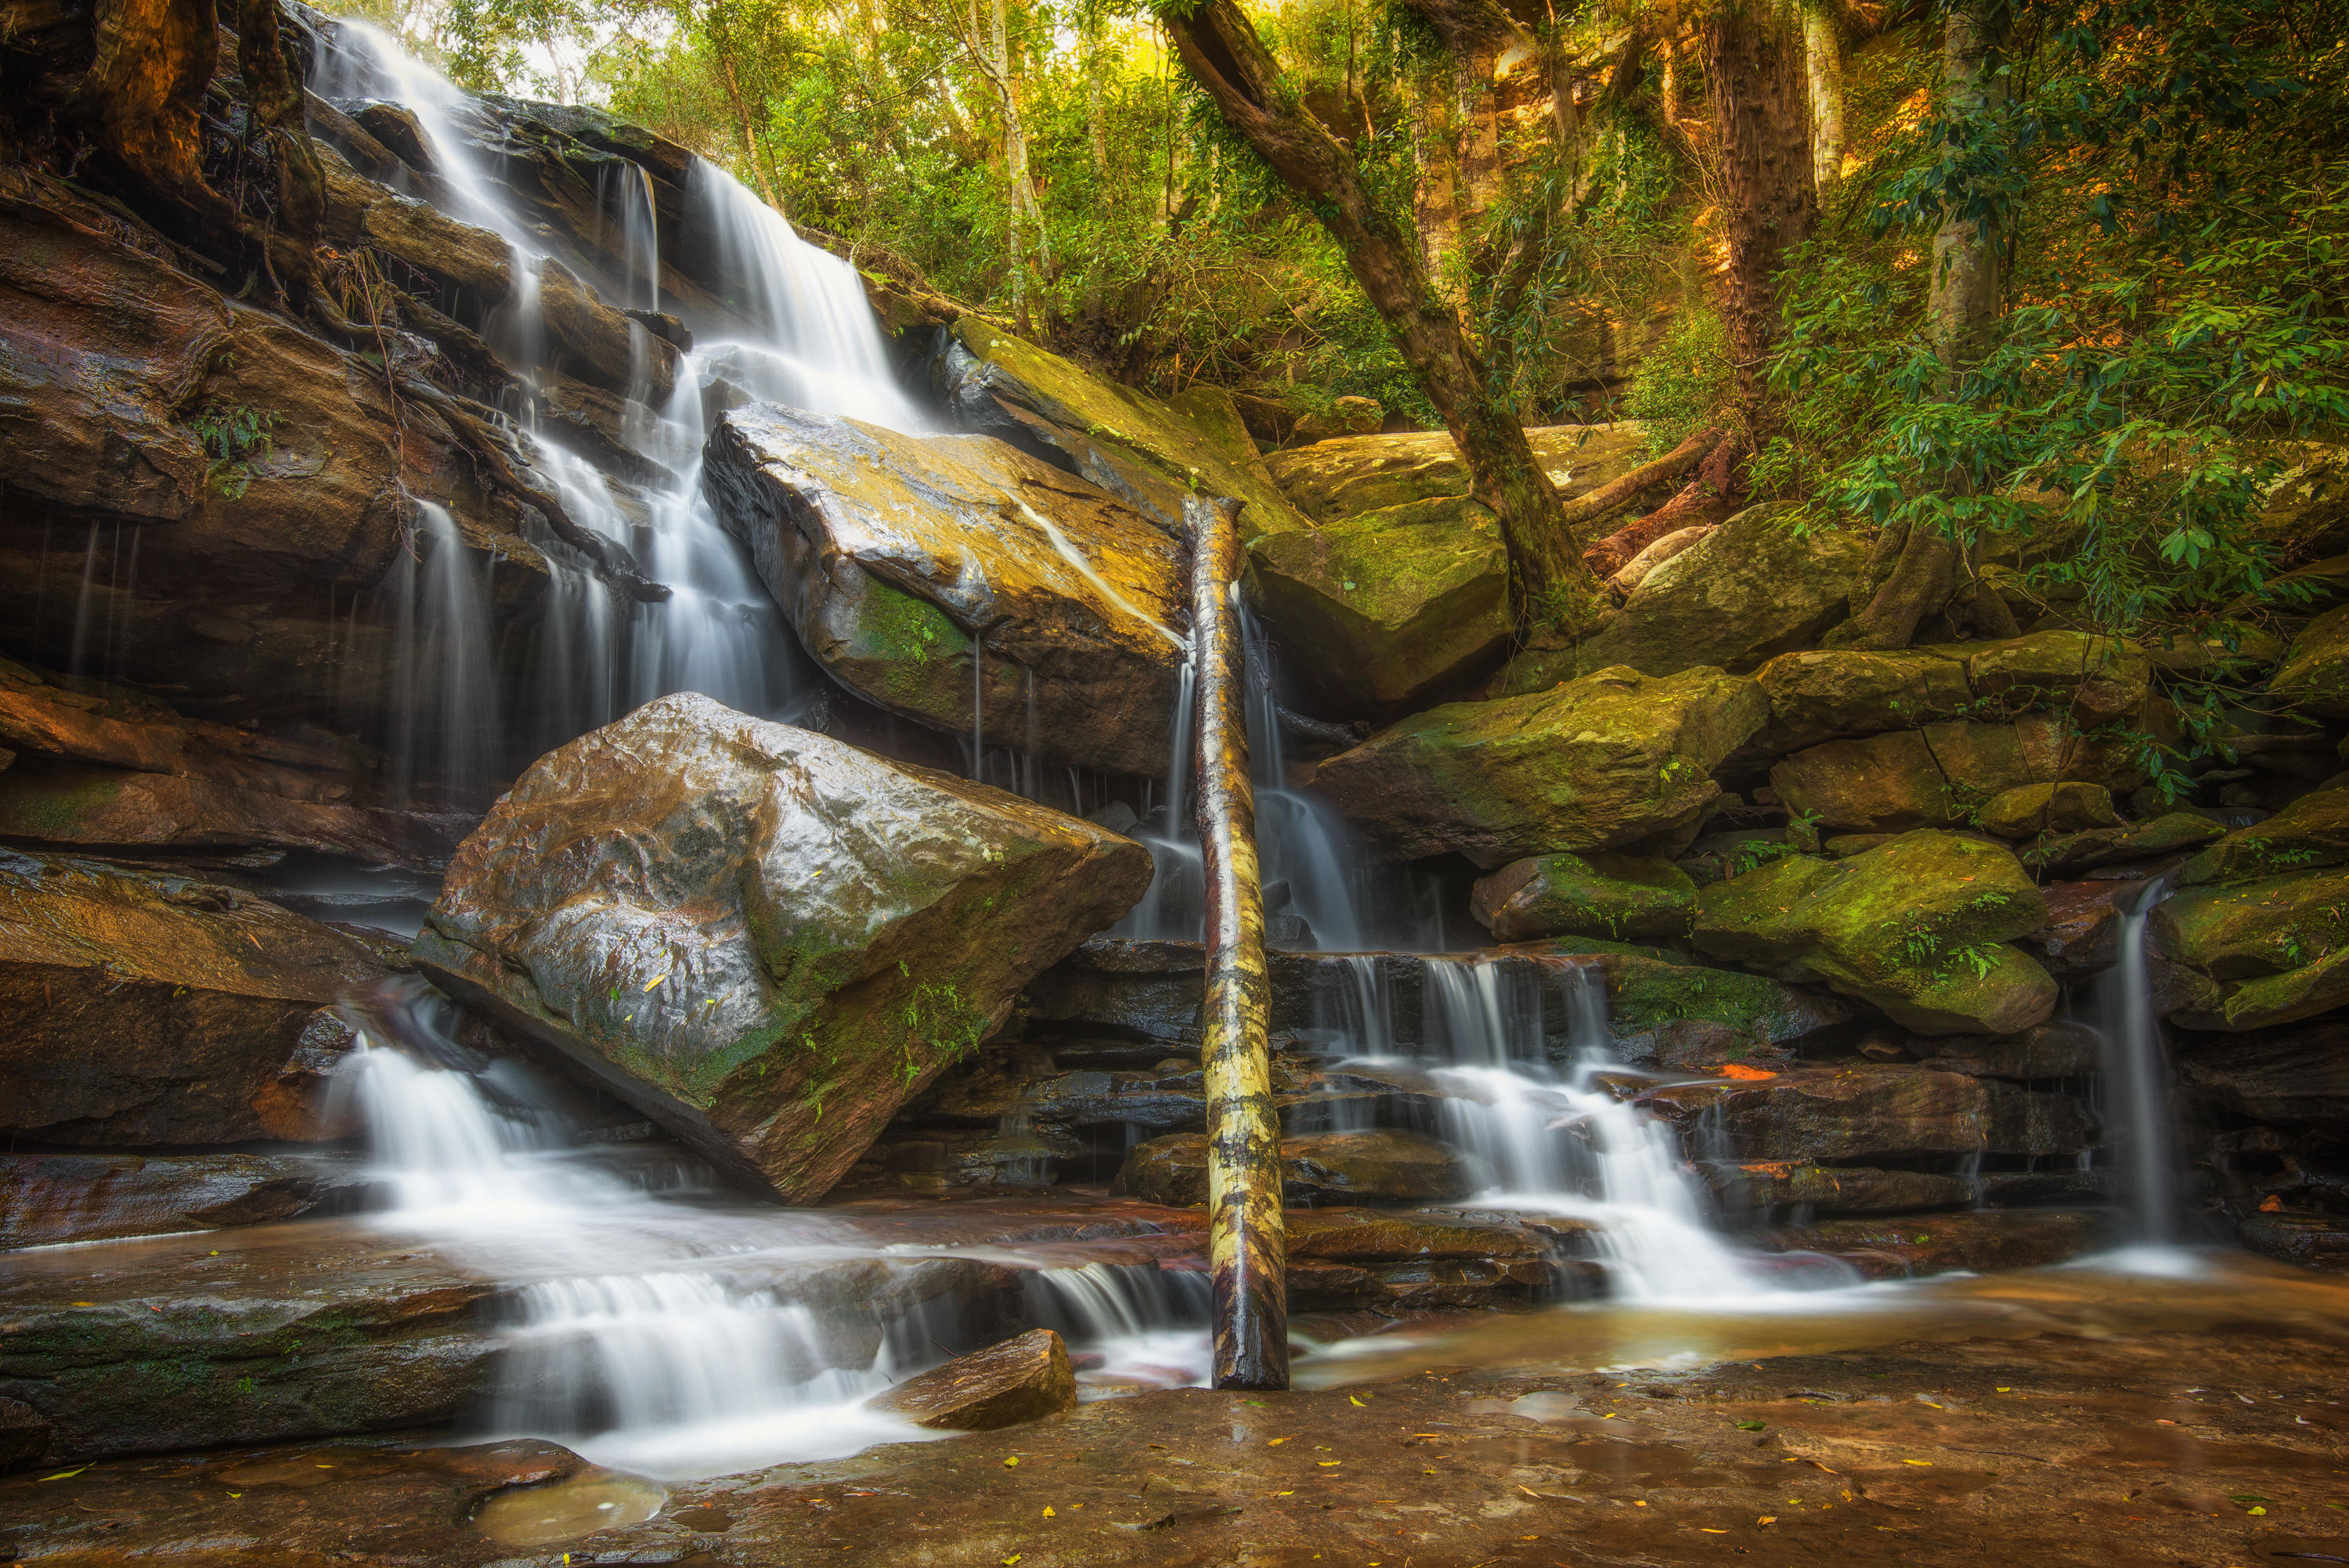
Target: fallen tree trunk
[
  {"x": 1610, "y": 554},
  {"x": 1246, "y": 1250}
]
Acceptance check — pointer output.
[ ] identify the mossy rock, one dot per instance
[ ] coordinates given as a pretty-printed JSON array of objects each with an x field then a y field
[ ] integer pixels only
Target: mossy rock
[
  {"x": 2273, "y": 948},
  {"x": 1333, "y": 480},
  {"x": 1149, "y": 453},
  {"x": 2315, "y": 675},
  {"x": 1939, "y": 775},
  {"x": 1915, "y": 928},
  {"x": 2030, "y": 809},
  {"x": 1391, "y": 605},
  {"x": 2312, "y": 831},
  {"x": 1568, "y": 895},
  {"x": 1600, "y": 763},
  {"x": 1820, "y": 695},
  {"x": 1750, "y": 589},
  {"x": 2165, "y": 834}
]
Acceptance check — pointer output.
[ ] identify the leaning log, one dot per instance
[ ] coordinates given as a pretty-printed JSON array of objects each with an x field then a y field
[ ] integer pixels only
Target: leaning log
[{"x": 1247, "y": 1251}]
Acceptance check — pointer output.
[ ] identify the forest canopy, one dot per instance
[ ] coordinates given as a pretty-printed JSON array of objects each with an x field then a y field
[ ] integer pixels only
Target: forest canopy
[{"x": 2046, "y": 297}]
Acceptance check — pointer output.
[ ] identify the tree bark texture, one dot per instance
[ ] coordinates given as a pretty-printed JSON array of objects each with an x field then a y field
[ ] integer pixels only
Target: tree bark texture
[
  {"x": 1246, "y": 1249},
  {"x": 1761, "y": 114},
  {"x": 1219, "y": 48},
  {"x": 1823, "y": 54}
]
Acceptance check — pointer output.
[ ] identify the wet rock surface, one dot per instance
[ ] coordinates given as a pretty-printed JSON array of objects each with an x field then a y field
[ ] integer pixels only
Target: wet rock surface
[
  {"x": 1021, "y": 1379},
  {"x": 156, "y": 1009},
  {"x": 740, "y": 926},
  {"x": 1342, "y": 1168},
  {"x": 1621, "y": 896},
  {"x": 2030, "y": 1450},
  {"x": 1833, "y": 1113},
  {"x": 902, "y": 559},
  {"x": 46, "y": 1198}
]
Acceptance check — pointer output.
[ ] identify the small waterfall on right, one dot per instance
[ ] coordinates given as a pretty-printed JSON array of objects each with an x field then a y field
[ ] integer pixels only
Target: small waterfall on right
[{"x": 2136, "y": 1072}]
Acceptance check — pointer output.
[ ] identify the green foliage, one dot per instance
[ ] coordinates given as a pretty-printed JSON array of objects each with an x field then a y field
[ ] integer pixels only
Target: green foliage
[
  {"x": 234, "y": 438},
  {"x": 1681, "y": 387}
]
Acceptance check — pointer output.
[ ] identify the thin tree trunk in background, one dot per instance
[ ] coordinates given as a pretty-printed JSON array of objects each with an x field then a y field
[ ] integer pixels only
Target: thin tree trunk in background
[
  {"x": 1914, "y": 570},
  {"x": 723, "y": 45},
  {"x": 1823, "y": 54},
  {"x": 1096, "y": 127},
  {"x": 1762, "y": 123},
  {"x": 992, "y": 50},
  {"x": 1220, "y": 48},
  {"x": 1246, "y": 1248}
]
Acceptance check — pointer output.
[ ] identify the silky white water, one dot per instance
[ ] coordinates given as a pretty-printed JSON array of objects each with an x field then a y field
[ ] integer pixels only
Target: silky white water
[{"x": 2136, "y": 1077}]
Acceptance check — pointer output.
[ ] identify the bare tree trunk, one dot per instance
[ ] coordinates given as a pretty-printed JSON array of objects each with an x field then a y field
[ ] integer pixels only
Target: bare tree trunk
[
  {"x": 1823, "y": 54},
  {"x": 1220, "y": 48},
  {"x": 1761, "y": 120},
  {"x": 1247, "y": 1247},
  {"x": 1914, "y": 571}
]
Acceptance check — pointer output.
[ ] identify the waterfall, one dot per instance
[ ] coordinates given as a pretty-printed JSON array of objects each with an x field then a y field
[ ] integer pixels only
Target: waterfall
[
  {"x": 2136, "y": 1072},
  {"x": 796, "y": 328}
]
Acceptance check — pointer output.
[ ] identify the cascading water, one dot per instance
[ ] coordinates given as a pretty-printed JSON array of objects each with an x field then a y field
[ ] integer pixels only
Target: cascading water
[
  {"x": 791, "y": 325},
  {"x": 663, "y": 1337},
  {"x": 1559, "y": 1144},
  {"x": 2137, "y": 1073}
]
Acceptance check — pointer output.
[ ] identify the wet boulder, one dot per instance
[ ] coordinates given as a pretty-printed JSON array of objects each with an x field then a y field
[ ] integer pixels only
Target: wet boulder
[
  {"x": 2314, "y": 674},
  {"x": 1872, "y": 1113},
  {"x": 1600, "y": 763},
  {"x": 765, "y": 939},
  {"x": 2295, "y": 1076},
  {"x": 901, "y": 559},
  {"x": 144, "y": 1008},
  {"x": 1690, "y": 1017},
  {"x": 1619, "y": 896},
  {"x": 1392, "y": 604},
  {"x": 1918, "y": 928},
  {"x": 2312, "y": 831},
  {"x": 1910, "y": 1246},
  {"x": 2056, "y": 1050},
  {"x": 1322, "y": 1169},
  {"x": 1939, "y": 776},
  {"x": 1021, "y": 1379},
  {"x": 2274, "y": 951}
]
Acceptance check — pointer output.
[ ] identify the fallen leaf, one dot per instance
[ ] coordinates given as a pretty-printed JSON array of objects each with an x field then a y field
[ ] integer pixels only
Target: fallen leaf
[
  {"x": 1008, "y": 1561},
  {"x": 1325, "y": 1464},
  {"x": 1048, "y": 1513},
  {"x": 654, "y": 984},
  {"x": 1927, "y": 1463},
  {"x": 1767, "y": 1518},
  {"x": 1709, "y": 1530},
  {"x": 1752, "y": 1425},
  {"x": 1356, "y": 1403},
  {"x": 62, "y": 1475},
  {"x": 1274, "y": 1442},
  {"x": 1011, "y": 1462}
]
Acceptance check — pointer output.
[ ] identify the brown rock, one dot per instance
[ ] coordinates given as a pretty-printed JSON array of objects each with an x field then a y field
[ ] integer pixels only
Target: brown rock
[
  {"x": 46, "y": 1198},
  {"x": 1831, "y": 1189},
  {"x": 1899, "y": 1248},
  {"x": 1379, "y": 1167},
  {"x": 1021, "y": 1379},
  {"x": 139, "y": 1008},
  {"x": 1844, "y": 1114},
  {"x": 765, "y": 939},
  {"x": 2032, "y": 810}
]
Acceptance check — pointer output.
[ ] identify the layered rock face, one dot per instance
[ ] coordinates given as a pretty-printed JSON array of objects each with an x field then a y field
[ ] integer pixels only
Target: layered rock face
[
  {"x": 904, "y": 562},
  {"x": 765, "y": 938},
  {"x": 147, "y": 1008}
]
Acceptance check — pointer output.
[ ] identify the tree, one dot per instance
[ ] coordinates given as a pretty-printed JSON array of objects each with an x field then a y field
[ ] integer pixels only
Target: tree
[
  {"x": 1219, "y": 48},
  {"x": 1823, "y": 54}
]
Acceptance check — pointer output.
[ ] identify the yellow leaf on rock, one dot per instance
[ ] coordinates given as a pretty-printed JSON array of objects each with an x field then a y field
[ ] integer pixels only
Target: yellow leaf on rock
[
  {"x": 1767, "y": 1518},
  {"x": 1927, "y": 1463},
  {"x": 63, "y": 1475},
  {"x": 1356, "y": 1403},
  {"x": 1048, "y": 1513},
  {"x": 1011, "y": 1462}
]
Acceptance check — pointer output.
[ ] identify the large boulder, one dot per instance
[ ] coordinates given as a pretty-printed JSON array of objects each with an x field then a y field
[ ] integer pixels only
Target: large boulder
[
  {"x": 766, "y": 939},
  {"x": 1917, "y": 928},
  {"x": 2276, "y": 950},
  {"x": 1823, "y": 694},
  {"x": 145, "y": 1009},
  {"x": 1148, "y": 453},
  {"x": 2166, "y": 834},
  {"x": 899, "y": 558},
  {"x": 1940, "y": 776},
  {"x": 1600, "y": 763},
  {"x": 2312, "y": 831},
  {"x": 2031, "y": 811},
  {"x": 1022, "y": 1380},
  {"x": 2291, "y": 1077},
  {"x": 46, "y": 1198},
  {"x": 1390, "y": 605},
  {"x": 1752, "y": 588},
  {"x": 2315, "y": 675},
  {"x": 1617, "y": 896}
]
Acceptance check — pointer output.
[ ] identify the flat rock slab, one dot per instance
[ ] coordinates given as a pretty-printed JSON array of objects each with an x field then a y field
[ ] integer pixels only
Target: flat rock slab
[
  {"x": 2029, "y": 1452},
  {"x": 1024, "y": 1379}
]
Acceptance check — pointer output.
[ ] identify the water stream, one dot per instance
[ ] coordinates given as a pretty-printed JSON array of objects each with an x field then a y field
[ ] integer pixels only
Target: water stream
[{"x": 2137, "y": 1073}]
